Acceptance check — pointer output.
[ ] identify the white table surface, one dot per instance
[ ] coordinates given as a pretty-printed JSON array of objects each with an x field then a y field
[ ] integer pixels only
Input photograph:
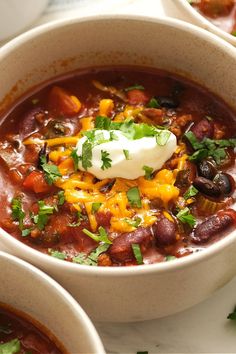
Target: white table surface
[{"x": 201, "y": 329}]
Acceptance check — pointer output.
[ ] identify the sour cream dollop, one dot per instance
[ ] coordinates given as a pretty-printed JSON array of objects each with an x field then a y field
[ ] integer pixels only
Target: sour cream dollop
[{"x": 127, "y": 158}]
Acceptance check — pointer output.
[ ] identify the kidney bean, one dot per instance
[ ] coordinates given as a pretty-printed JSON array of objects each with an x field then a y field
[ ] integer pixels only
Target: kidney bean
[
  {"x": 164, "y": 232},
  {"x": 121, "y": 249},
  {"x": 224, "y": 182},
  {"x": 207, "y": 169},
  {"x": 28, "y": 123},
  {"x": 213, "y": 226},
  {"x": 155, "y": 114},
  {"x": 207, "y": 187},
  {"x": 203, "y": 129}
]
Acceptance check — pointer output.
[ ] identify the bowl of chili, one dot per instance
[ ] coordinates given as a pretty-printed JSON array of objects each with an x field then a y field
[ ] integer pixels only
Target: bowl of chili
[
  {"x": 38, "y": 315},
  {"x": 118, "y": 162},
  {"x": 217, "y": 16}
]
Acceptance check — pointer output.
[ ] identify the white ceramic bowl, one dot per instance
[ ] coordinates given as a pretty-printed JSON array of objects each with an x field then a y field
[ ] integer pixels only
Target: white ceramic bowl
[
  {"x": 148, "y": 291},
  {"x": 186, "y": 12},
  {"x": 17, "y": 15},
  {"x": 29, "y": 290}
]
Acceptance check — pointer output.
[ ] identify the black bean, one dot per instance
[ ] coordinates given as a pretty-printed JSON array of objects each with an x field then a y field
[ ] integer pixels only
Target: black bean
[
  {"x": 164, "y": 232},
  {"x": 224, "y": 182},
  {"x": 207, "y": 187},
  {"x": 167, "y": 101},
  {"x": 207, "y": 169},
  {"x": 212, "y": 227}
]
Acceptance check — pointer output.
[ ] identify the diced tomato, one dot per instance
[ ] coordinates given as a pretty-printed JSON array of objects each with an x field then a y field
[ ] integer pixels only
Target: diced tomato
[
  {"x": 215, "y": 8},
  {"x": 61, "y": 102},
  {"x": 36, "y": 182},
  {"x": 137, "y": 97}
]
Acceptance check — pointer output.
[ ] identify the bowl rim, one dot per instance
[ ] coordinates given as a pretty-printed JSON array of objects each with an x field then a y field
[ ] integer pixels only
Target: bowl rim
[
  {"x": 137, "y": 270},
  {"x": 203, "y": 21},
  {"x": 44, "y": 278}
]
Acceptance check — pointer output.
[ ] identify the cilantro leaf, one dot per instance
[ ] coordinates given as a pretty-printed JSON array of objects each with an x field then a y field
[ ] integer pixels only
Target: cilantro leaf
[
  {"x": 51, "y": 171},
  {"x": 92, "y": 258},
  {"x": 106, "y": 161},
  {"x": 153, "y": 103},
  {"x": 26, "y": 232},
  {"x": 232, "y": 315},
  {"x": 57, "y": 254},
  {"x": 17, "y": 211},
  {"x": 137, "y": 253},
  {"x": 126, "y": 153},
  {"x": 113, "y": 136},
  {"x": 86, "y": 155},
  {"x": 41, "y": 218},
  {"x": 134, "y": 87},
  {"x": 133, "y": 196},
  {"x": 209, "y": 147},
  {"x": 102, "y": 123},
  {"x": 100, "y": 237},
  {"x": 148, "y": 172},
  {"x": 170, "y": 258},
  {"x": 61, "y": 197},
  {"x": 11, "y": 347},
  {"x": 75, "y": 158},
  {"x": 95, "y": 207},
  {"x": 191, "y": 192},
  {"x": 162, "y": 137},
  {"x": 186, "y": 217},
  {"x": 133, "y": 222}
]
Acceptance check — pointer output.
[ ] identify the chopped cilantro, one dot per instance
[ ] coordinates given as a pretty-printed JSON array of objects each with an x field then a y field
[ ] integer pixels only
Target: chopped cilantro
[
  {"x": 41, "y": 218},
  {"x": 133, "y": 196},
  {"x": 170, "y": 258},
  {"x": 95, "y": 207},
  {"x": 61, "y": 197},
  {"x": 191, "y": 192},
  {"x": 106, "y": 161},
  {"x": 86, "y": 155},
  {"x": 51, "y": 171},
  {"x": 92, "y": 258},
  {"x": 90, "y": 134},
  {"x": 100, "y": 237},
  {"x": 17, "y": 211},
  {"x": 126, "y": 153},
  {"x": 102, "y": 123},
  {"x": 208, "y": 147},
  {"x": 25, "y": 232},
  {"x": 153, "y": 103},
  {"x": 75, "y": 158},
  {"x": 148, "y": 172},
  {"x": 57, "y": 254},
  {"x": 134, "y": 87},
  {"x": 137, "y": 253},
  {"x": 11, "y": 347},
  {"x": 133, "y": 222},
  {"x": 186, "y": 217},
  {"x": 162, "y": 137},
  {"x": 113, "y": 136},
  {"x": 232, "y": 315}
]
